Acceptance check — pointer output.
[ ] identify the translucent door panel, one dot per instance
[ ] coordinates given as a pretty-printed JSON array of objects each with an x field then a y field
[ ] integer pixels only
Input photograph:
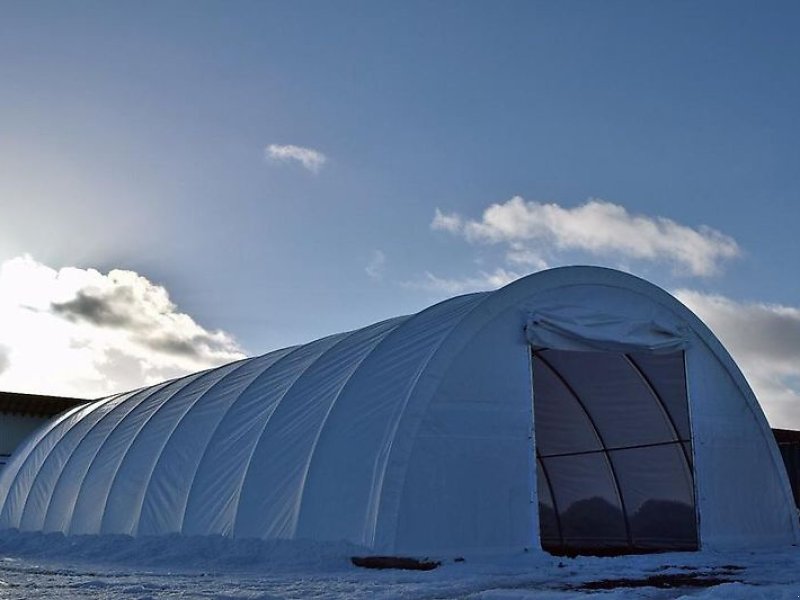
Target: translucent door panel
[{"x": 614, "y": 464}]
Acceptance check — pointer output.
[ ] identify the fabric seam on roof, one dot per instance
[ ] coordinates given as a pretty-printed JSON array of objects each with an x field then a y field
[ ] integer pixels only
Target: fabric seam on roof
[
  {"x": 123, "y": 400},
  {"x": 237, "y": 493},
  {"x": 375, "y": 499},
  {"x": 284, "y": 352},
  {"x": 129, "y": 441},
  {"x": 169, "y": 436},
  {"x": 473, "y": 310},
  {"x": 119, "y": 399},
  {"x": 140, "y": 395},
  {"x": 329, "y": 411},
  {"x": 96, "y": 406},
  {"x": 135, "y": 436},
  {"x": 278, "y": 402},
  {"x": 51, "y": 431}
]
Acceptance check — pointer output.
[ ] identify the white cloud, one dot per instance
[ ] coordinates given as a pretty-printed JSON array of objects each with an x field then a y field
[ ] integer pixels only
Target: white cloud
[
  {"x": 376, "y": 266},
  {"x": 83, "y": 333},
  {"x": 443, "y": 222},
  {"x": 311, "y": 159},
  {"x": 764, "y": 339},
  {"x": 483, "y": 281},
  {"x": 518, "y": 254},
  {"x": 533, "y": 231}
]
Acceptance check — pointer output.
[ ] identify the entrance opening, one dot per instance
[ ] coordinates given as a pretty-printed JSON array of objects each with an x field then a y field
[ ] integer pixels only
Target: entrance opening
[{"x": 613, "y": 453}]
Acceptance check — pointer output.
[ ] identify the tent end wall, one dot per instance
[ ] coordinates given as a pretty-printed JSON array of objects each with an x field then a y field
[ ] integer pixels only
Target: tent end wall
[{"x": 478, "y": 383}]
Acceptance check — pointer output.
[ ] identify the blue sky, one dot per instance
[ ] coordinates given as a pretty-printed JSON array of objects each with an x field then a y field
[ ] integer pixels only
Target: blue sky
[{"x": 137, "y": 137}]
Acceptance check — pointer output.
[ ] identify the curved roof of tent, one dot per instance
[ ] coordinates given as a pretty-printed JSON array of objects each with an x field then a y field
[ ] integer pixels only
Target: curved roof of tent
[{"x": 312, "y": 441}]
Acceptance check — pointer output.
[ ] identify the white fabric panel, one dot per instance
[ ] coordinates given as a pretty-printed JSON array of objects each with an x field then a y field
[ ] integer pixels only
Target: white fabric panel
[
  {"x": 740, "y": 493},
  {"x": 214, "y": 500},
  {"x": 43, "y": 485},
  {"x": 273, "y": 485},
  {"x": 113, "y": 441},
  {"x": 39, "y": 487},
  {"x": 21, "y": 471},
  {"x": 478, "y": 400},
  {"x": 346, "y": 471},
  {"x": 28, "y": 446},
  {"x": 124, "y": 503},
  {"x": 465, "y": 494},
  {"x": 119, "y": 443},
  {"x": 584, "y": 327},
  {"x": 168, "y": 491},
  {"x": 69, "y": 480}
]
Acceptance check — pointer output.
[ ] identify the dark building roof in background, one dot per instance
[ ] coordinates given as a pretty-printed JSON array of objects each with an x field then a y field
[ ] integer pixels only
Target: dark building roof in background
[
  {"x": 786, "y": 436},
  {"x": 35, "y": 405}
]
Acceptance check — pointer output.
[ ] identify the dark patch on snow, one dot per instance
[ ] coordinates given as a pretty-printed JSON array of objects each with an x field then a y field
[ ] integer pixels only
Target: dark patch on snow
[
  {"x": 686, "y": 579},
  {"x": 394, "y": 562}
]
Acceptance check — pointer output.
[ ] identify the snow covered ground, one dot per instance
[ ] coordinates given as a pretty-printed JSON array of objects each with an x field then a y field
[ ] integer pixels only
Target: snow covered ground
[{"x": 54, "y": 566}]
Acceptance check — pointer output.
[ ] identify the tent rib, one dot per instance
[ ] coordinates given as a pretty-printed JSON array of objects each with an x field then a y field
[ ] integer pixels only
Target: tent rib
[
  {"x": 51, "y": 431},
  {"x": 241, "y": 363},
  {"x": 278, "y": 402},
  {"x": 172, "y": 397},
  {"x": 614, "y": 449},
  {"x": 405, "y": 322},
  {"x": 329, "y": 411},
  {"x": 285, "y": 352},
  {"x": 114, "y": 402},
  {"x": 481, "y": 298},
  {"x": 184, "y": 381},
  {"x": 95, "y": 407},
  {"x": 140, "y": 394},
  {"x": 660, "y": 401},
  {"x": 374, "y": 502},
  {"x": 137, "y": 396}
]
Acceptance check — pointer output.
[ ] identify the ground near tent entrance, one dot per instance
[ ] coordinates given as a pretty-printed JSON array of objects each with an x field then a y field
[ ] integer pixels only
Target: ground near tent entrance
[{"x": 52, "y": 566}]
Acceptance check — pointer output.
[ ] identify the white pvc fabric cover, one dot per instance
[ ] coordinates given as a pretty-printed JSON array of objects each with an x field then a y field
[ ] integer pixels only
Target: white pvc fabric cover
[{"x": 413, "y": 435}]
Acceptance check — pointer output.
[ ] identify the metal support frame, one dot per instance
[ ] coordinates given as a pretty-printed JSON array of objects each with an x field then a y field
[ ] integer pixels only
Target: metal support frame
[{"x": 660, "y": 401}]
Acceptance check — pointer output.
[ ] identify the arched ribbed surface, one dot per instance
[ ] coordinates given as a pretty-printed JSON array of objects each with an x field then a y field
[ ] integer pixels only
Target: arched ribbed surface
[
  {"x": 351, "y": 451},
  {"x": 271, "y": 493},
  {"x": 178, "y": 462},
  {"x": 90, "y": 507},
  {"x": 23, "y": 469},
  {"x": 218, "y": 483},
  {"x": 65, "y": 493},
  {"x": 52, "y": 470},
  {"x": 130, "y": 480},
  {"x": 409, "y": 435}
]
